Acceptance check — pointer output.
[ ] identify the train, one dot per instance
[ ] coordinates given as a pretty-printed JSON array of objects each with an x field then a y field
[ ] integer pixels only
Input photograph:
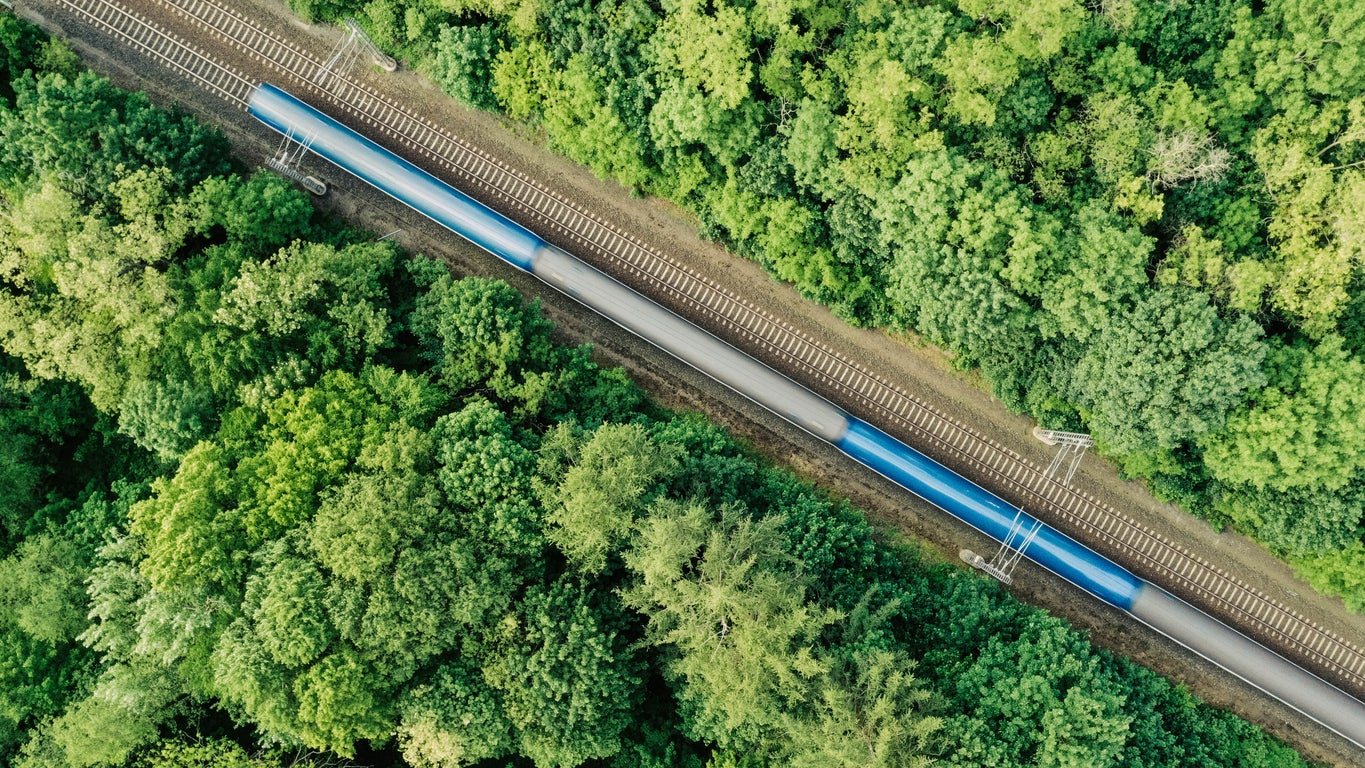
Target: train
[{"x": 864, "y": 443}]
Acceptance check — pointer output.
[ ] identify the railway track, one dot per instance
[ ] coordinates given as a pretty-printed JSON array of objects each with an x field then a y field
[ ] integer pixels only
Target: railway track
[
  {"x": 1159, "y": 560},
  {"x": 165, "y": 48}
]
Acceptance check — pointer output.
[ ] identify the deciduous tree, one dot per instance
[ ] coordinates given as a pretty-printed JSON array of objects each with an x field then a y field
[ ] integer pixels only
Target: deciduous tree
[
  {"x": 1304, "y": 429},
  {"x": 487, "y": 479},
  {"x": 454, "y": 718},
  {"x": 87, "y": 133},
  {"x": 1040, "y": 700},
  {"x": 615, "y": 474},
  {"x": 720, "y": 595},
  {"x": 194, "y": 538},
  {"x": 949, "y": 225},
  {"x": 1169, "y": 371},
  {"x": 461, "y": 64},
  {"x": 568, "y": 675}
]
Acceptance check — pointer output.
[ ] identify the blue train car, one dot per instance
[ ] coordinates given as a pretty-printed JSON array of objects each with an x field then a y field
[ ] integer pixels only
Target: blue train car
[
  {"x": 395, "y": 176},
  {"x": 988, "y": 513}
]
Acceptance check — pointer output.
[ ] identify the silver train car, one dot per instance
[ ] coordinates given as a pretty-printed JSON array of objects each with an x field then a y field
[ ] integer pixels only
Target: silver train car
[{"x": 1092, "y": 572}]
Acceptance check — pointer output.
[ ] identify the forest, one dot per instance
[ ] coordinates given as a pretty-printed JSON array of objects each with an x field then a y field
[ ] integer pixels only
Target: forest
[
  {"x": 1141, "y": 220},
  {"x": 276, "y": 494}
]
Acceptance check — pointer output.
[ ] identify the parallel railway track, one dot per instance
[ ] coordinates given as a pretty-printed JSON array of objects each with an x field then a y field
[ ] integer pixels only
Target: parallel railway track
[{"x": 1159, "y": 560}]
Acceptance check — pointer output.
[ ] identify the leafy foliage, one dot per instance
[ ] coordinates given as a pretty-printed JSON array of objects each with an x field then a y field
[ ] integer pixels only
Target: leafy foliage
[
  {"x": 85, "y": 132},
  {"x": 568, "y": 678},
  {"x": 1169, "y": 372},
  {"x": 1065, "y": 690},
  {"x": 1305, "y": 427},
  {"x": 743, "y": 632},
  {"x": 460, "y": 64},
  {"x": 454, "y": 719},
  {"x": 613, "y": 477}
]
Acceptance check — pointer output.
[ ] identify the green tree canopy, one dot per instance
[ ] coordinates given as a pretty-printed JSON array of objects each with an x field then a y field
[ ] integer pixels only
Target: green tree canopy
[
  {"x": 952, "y": 226},
  {"x": 86, "y": 133},
  {"x": 615, "y": 474},
  {"x": 454, "y": 719},
  {"x": 461, "y": 63},
  {"x": 568, "y": 676},
  {"x": 868, "y": 712},
  {"x": 719, "y": 594},
  {"x": 1169, "y": 371},
  {"x": 1299, "y": 519},
  {"x": 486, "y": 476},
  {"x": 1039, "y": 700},
  {"x": 194, "y": 538},
  {"x": 1304, "y": 429}
]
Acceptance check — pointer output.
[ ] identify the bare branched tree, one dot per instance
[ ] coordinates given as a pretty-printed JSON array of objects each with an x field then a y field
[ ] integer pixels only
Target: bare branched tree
[
  {"x": 1118, "y": 14},
  {"x": 1186, "y": 156}
]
